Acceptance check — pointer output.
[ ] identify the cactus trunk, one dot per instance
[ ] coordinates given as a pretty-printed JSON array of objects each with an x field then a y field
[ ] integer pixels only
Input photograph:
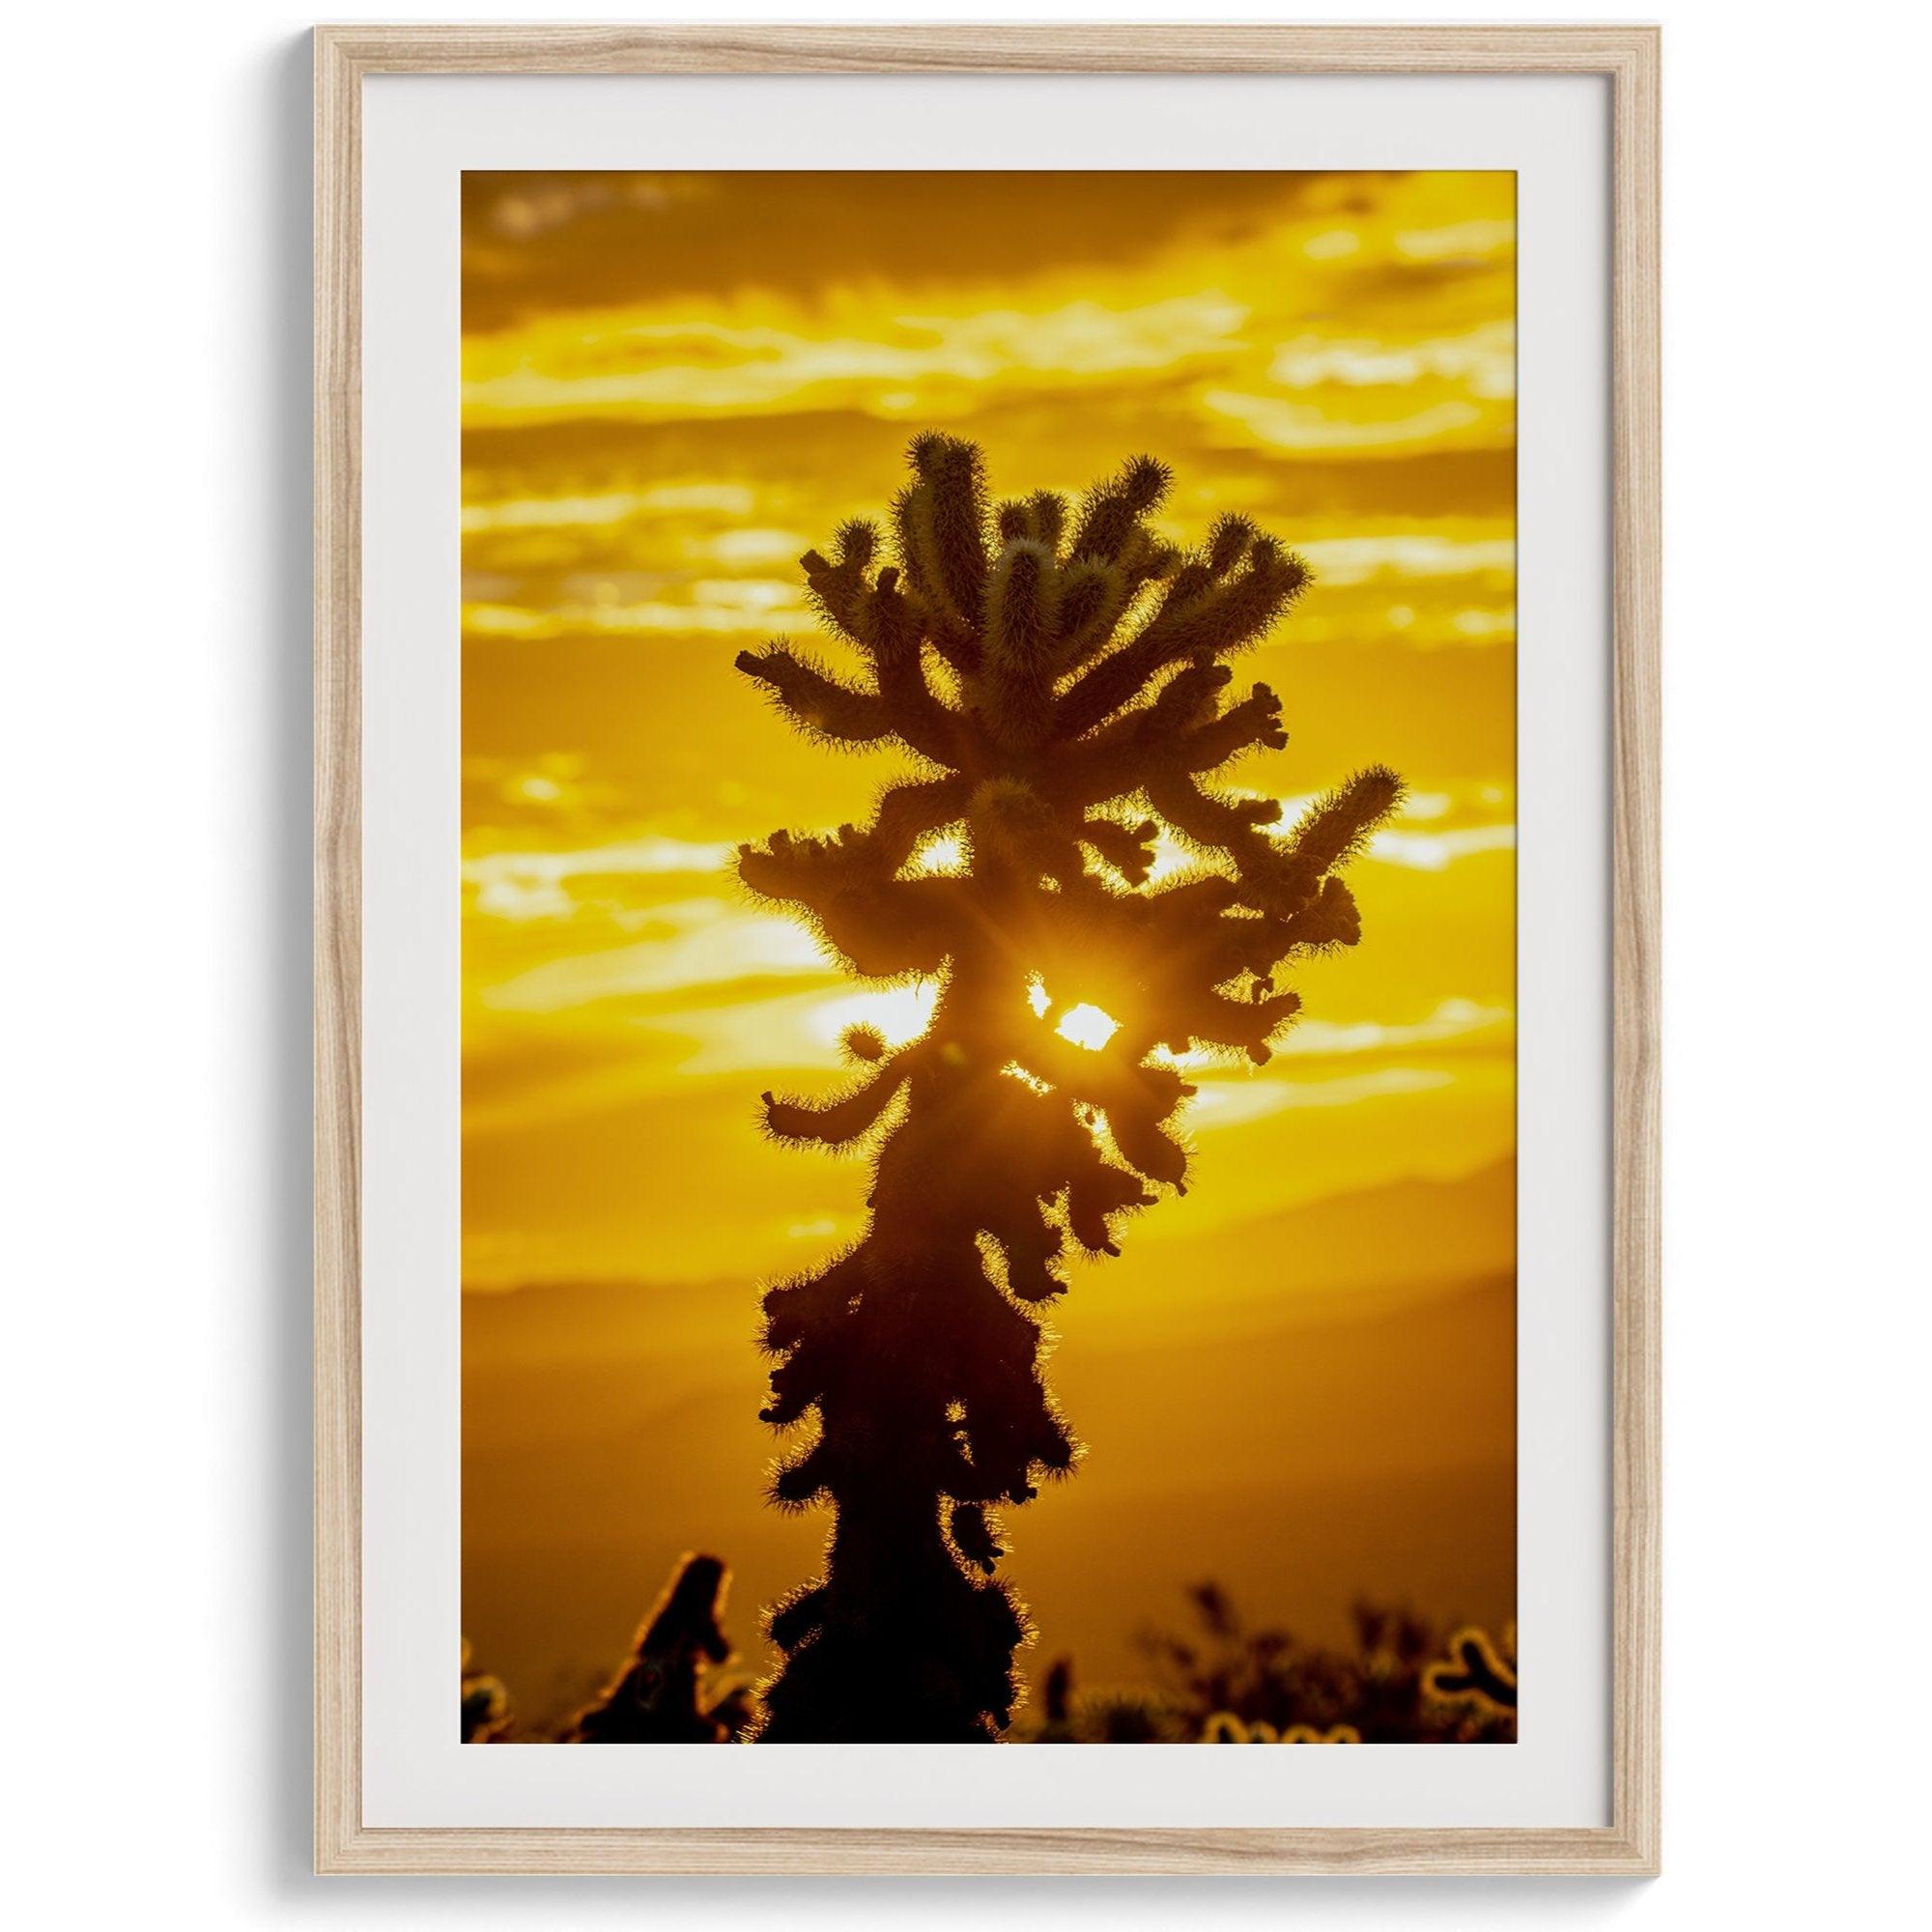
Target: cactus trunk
[{"x": 898, "y": 1643}]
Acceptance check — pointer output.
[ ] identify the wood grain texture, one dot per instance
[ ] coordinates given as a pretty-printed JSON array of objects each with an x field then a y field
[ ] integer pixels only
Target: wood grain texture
[
  {"x": 1030, "y": 48},
  {"x": 1636, "y": 906},
  {"x": 1628, "y": 57},
  {"x": 992, "y": 1853},
  {"x": 338, "y": 951}
]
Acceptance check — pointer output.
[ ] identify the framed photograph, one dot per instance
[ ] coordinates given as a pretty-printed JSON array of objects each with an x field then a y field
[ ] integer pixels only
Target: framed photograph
[{"x": 986, "y": 949}]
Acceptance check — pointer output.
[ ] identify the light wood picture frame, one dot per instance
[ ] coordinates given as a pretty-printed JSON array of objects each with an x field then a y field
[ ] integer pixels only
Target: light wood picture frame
[{"x": 1627, "y": 57}]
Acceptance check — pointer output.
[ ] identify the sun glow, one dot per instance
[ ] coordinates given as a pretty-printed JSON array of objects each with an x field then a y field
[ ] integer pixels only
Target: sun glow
[
  {"x": 899, "y": 1014},
  {"x": 1087, "y": 1026},
  {"x": 942, "y": 858}
]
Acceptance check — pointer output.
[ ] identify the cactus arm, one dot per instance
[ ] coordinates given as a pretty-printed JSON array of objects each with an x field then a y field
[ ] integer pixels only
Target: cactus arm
[
  {"x": 841, "y": 1121},
  {"x": 817, "y": 703},
  {"x": 1255, "y": 721},
  {"x": 1216, "y": 617}
]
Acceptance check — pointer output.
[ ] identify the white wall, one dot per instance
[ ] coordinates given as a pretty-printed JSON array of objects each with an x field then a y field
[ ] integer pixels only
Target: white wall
[{"x": 155, "y": 237}]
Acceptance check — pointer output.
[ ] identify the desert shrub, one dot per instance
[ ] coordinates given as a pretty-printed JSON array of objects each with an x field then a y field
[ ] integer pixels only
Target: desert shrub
[{"x": 1401, "y": 1681}]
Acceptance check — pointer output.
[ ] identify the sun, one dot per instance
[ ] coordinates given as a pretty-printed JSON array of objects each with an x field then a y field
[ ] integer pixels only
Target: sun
[{"x": 1088, "y": 1026}]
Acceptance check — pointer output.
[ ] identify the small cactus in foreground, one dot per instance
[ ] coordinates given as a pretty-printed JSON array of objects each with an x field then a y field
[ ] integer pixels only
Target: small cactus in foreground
[
  {"x": 1224, "y": 1727},
  {"x": 1476, "y": 1669},
  {"x": 485, "y": 1705},
  {"x": 1234, "y": 1682},
  {"x": 1058, "y": 670},
  {"x": 656, "y": 1698}
]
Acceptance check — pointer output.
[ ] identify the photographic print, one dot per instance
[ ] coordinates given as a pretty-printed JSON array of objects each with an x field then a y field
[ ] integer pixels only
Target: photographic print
[{"x": 988, "y": 957}]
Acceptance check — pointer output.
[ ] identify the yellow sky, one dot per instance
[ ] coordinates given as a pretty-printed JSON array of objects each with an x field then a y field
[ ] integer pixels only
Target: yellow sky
[{"x": 672, "y": 386}]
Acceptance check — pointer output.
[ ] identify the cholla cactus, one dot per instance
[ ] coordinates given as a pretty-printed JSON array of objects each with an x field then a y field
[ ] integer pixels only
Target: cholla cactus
[
  {"x": 485, "y": 1705},
  {"x": 1058, "y": 670},
  {"x": 656, "y": 1697},
  {"x": 1477, "y": 1669},
  {"x": 1225, "y": 1727}
]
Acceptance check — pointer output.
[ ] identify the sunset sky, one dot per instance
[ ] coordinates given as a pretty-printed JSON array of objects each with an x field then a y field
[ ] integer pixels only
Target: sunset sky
[{"x": 674, "y": 385}]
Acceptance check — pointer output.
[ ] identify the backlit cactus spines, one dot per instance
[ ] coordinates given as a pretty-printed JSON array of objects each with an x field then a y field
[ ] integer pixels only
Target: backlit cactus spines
[
  {"x": 1477, "y": 1669},
  {"x": 1224, "y": 1727},
  {"x": 1057, "y": 673},
  {"x": 485, "y": 1705},
  {"x": 656, "y": 1697}
]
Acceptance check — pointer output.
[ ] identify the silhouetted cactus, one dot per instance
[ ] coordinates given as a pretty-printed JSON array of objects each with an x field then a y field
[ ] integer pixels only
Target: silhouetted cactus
[
  {"x": 1120, "y": 1714},
  {"x": 1057, "y": 668},
  {"x": 1224, "y": 1727},
  {"x": 485, "y": 1705},
  {"x": 1054, "y": 1719},
  {"x": 1475, "y": 1669},
  {"x": 1235, "y": 1684},
  {"x": 656, "y": 1697}
]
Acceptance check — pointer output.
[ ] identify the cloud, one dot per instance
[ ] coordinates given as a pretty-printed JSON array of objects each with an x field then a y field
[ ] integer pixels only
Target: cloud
[
  {"x": 541, "y": 243},
  {"x": 1457, "y": 240},
  {"x": 1437, "y": 851},
  {"x": 612, "y": 506},
  {"x": 1484, "y": 360},
  {"x": 1227, "y": 1104},
  {"x": 1306, "y": 430},
  {"x": 698, "y": 367},
  {"x": 698, "y": 943},
  {"x": 531, "y": 884},
  {"x": 1340, "y": 560},
  {"x": 739, "y": 608},
  {"x": 1452, "y": 1020}
]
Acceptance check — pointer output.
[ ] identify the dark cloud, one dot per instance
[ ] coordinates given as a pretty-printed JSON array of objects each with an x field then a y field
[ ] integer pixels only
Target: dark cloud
[{"x": 538, "y": 243}]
